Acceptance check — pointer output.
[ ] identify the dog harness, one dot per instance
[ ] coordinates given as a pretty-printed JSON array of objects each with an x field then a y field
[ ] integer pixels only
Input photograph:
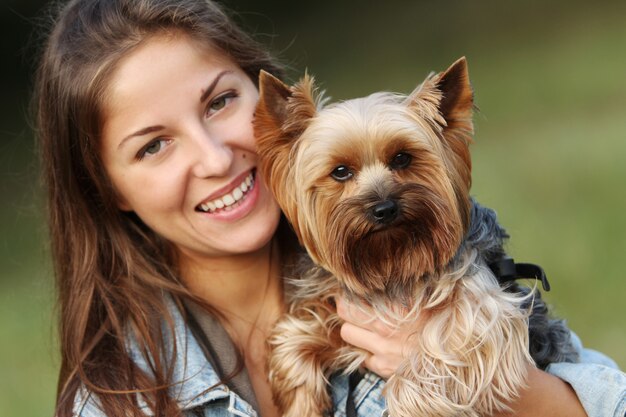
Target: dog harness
[{"x": 506, "y": 270}]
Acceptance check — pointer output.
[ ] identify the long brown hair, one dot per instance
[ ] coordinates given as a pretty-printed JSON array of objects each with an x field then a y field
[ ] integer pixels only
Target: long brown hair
[{"x": 111, "y": 270}]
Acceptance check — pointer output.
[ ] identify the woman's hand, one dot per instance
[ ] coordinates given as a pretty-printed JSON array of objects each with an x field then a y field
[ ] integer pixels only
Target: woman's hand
[
  {"x": 385, "y": 343},
  {"x": 546, "y": 395}
]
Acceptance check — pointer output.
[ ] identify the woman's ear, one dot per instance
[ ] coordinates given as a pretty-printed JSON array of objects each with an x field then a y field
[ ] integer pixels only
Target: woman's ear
[
  {"x": 124, "y": 206},
  {"x": 122, "y": 203}
]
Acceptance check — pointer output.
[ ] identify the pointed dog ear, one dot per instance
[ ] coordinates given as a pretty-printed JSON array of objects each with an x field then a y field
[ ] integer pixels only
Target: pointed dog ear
[
  {"x": 457, "y": 98},
  {"x": 281, "y": 116},
  {"x": 271, "y": 109},
  {"x": 447, "y": 100},
  {"x": 456, "y": 107},
  {"x": 284, "y": 111}
]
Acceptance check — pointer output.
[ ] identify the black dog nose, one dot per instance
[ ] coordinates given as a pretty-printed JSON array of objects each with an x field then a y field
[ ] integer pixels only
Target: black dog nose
[{"x": 385, "y": 212}]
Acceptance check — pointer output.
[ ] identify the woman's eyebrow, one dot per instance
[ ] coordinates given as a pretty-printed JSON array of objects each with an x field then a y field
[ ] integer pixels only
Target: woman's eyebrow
[
  {"x": 206, "y": 93},
  {"x": 141, "y": 132}
]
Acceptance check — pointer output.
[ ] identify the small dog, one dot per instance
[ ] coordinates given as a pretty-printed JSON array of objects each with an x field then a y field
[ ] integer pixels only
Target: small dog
[{"x": 377, "y": 191}]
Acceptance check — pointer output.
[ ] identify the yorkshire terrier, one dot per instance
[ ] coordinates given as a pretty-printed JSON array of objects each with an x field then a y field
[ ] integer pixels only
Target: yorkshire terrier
[{"x": 377, "y": 191}]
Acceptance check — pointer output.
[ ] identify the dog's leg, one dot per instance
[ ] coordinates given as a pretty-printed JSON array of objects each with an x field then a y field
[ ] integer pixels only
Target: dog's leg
[
  {"x": 304, "y": 347},
  {"x": 471, "y": 354}
]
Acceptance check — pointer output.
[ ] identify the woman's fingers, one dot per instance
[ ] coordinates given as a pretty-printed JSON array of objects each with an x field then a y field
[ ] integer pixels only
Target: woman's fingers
[
  {"x": 385, "y": 353},
  {"x": 385, "y": 343}
]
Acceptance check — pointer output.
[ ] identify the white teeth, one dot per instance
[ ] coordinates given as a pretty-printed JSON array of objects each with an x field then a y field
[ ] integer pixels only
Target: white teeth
[{"x": 231, "y": 198}]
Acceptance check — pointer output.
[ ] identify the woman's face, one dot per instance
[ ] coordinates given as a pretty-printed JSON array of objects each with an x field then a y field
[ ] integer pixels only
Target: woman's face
[{"x": 178, "y": 145}]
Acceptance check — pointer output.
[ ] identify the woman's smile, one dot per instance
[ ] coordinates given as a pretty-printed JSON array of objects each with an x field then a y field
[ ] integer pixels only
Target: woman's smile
[{"x": 234, "y": 202}]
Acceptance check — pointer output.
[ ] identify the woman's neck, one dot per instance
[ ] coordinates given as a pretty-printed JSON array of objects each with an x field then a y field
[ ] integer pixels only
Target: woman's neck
[
  {"x": 247, "y": 292},
  {"x": 245, "y": 289}
]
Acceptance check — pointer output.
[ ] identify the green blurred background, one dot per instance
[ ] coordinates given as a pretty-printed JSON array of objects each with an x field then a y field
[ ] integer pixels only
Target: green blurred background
[{"x": 550, "y": 82}]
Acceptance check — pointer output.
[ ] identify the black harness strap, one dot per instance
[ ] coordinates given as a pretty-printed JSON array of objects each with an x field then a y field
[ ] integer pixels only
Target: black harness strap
[
  {"x": 507, "y": 270},
  {"x": 353, "y": 381}
]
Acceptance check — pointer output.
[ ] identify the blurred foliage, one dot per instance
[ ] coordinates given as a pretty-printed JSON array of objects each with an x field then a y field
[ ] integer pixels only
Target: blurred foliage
[{"x": 549, "y": 155}]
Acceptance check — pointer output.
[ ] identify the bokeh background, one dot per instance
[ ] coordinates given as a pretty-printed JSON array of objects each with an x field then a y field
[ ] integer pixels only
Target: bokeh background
[{"x": 550, "y": 151}]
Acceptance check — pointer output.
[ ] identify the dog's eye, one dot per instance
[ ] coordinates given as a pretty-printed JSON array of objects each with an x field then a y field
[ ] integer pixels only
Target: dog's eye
[
  {"x": 341, "y": 173},
  {"x": 400, "y": 161}
]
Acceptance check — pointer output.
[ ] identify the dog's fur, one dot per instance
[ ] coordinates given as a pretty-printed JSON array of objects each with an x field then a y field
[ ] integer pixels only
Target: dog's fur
[{"x": 377, "y": 191}]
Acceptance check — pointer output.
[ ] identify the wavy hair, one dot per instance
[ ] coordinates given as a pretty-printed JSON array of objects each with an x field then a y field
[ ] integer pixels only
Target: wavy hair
[{"x": 111, "y": 270}]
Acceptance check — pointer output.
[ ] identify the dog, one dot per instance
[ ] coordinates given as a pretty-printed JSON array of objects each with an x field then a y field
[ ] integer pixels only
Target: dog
[{"x": 377, "y": 191}]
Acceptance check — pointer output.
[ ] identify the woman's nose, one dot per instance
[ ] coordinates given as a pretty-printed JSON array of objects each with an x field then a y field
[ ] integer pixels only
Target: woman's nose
[{"x": 212, "y": 156}]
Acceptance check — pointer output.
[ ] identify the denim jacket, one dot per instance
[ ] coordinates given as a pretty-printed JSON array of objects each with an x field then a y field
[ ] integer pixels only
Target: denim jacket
[{"x": 600, "y": 386}]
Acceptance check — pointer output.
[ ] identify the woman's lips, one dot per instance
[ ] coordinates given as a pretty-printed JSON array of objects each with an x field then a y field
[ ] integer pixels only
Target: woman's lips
[{"x": 231, "y": 199}]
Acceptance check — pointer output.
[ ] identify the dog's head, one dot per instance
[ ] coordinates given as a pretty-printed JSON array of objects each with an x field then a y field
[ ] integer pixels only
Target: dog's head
[{"x": 376, "y": 188}]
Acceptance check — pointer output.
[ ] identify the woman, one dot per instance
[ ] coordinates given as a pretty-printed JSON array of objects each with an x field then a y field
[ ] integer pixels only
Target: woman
[{"x": 162, "y": 233}]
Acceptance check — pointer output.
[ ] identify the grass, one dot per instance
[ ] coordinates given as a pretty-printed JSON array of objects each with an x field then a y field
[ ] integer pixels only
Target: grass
[{"x": 28, "y": 351}]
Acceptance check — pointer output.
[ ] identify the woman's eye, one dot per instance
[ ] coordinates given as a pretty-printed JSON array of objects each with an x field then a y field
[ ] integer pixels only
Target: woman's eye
[
  {"x": 400, "y": 161},
  {"x": 341, "y": 173},
  {"x": 152, "y": 148},
  {"x": 220, "y": 102}
]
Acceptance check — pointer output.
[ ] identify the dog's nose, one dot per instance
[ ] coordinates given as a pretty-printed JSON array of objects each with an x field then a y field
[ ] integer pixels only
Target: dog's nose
[{"x": 385, "y": 212}]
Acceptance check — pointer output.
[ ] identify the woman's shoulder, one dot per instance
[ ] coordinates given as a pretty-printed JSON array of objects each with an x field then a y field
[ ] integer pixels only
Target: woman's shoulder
[
  {"x": 86, "y": 404},
  {"x": 194, "y": 382},
  {"x": 597, "y": 381}
]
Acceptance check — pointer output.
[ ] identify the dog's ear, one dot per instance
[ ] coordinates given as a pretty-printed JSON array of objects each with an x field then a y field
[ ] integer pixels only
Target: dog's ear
[
  {"x": 457, "y": 100},
  {"x": 271, "y": 110},
  {"x": 281, "y": 116},
  {"x": 447, "y": 100},
  {"x": 283, "y": 112},
  {"x": 456, "y": 106}
]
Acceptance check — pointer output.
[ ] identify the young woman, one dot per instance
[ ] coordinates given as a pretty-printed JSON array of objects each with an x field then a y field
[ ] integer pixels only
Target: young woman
[{"x": 168, "y": 248}]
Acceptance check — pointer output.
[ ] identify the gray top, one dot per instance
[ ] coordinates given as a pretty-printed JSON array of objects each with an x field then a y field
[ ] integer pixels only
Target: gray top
[{"x": 220, "y": 351}]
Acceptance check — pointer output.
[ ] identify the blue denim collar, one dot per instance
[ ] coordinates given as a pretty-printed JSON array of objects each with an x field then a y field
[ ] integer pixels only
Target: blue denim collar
[{"x": 195, "y": 381}]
